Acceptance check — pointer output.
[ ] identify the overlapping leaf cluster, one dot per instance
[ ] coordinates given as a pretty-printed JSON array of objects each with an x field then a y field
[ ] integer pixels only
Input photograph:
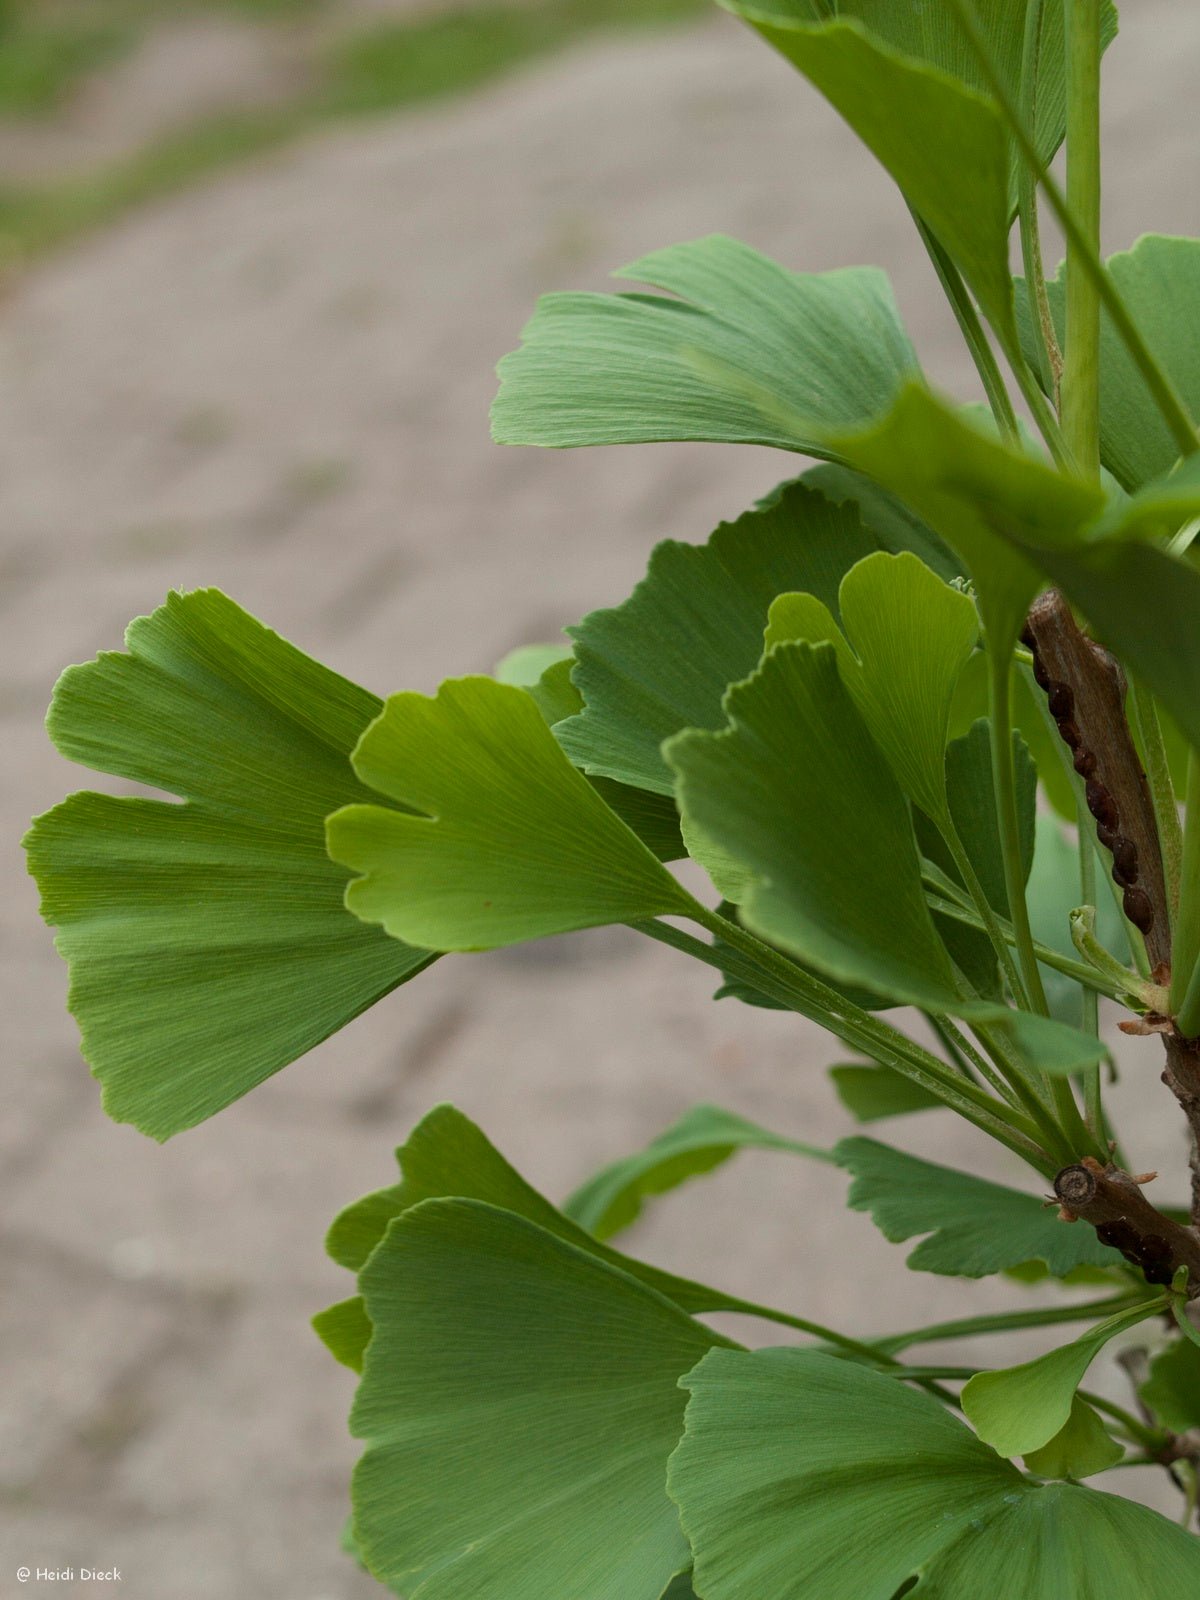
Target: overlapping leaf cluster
[{"x": 816, "y": 706}]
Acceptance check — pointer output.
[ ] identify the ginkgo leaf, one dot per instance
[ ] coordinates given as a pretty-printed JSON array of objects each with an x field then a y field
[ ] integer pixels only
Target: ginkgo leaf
[
  {"x": 800, "y": 1475},
  {"x": 345, "y": 1330},
  {"x": 1155, "y": 278},
  {"x": 1082, "y": 1447},
  {"x": 1017, "y": 522},
  {"x": 796, "y": 790},
  {"x": 942, "y": 141},
  {"x": 1172, "y": 1391},
  {"x": 510, "y": 842},
  {"x": 446, "y": 1155},
  {"x": 662, "y": 660},
  {"x": 704, "y": 1138},
  {"x": 907, "y": 636},
  {"x": 651, "y": 816},
  {"x": 1019, "y": 1409},
  {"x": 518, "y": 1404},
  {"x": 972, "y": 1227},
  {"x": 892, "y": 524},
  {"x": 749, "y": 353},
  {"x": 871, "y": 1093},
  {"x": 208, "y": 942},
  {"x": 986, "y": 500},
  {"x": 527, "y": 664}
]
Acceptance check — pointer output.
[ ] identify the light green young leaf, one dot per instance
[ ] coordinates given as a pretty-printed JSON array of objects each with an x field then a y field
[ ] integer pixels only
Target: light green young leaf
[
  {"x": 907, "y": 636},
  {"x": 511, "y": 844},
  {"x": 345, "y": 1331},
  {"x": 801, "y": 1475},
  {"x": 208, "y": 942},
  {"x": 974, "y": 1227},
  {"x": 525, "y": 666},
  {"x": 944, "y": 143},
  {"x": 1082, "y": 1447},
  {"x": 797, "y": 791},
  {"x": 446, "y": 1156},
  {"x": 1019, "y": 1409},
  {"x": 749, "y": 353},
  {"x": 702, "y": 1139},
  {"x": 871, "y": 1093},
  {"x": 518, "y": 1404},
  {"x": 988, "y": 502},
  {"x": 1155, "y": 278},
  {"x": 662, "y": 661},
  {"x": 1172, "y": 1391}
]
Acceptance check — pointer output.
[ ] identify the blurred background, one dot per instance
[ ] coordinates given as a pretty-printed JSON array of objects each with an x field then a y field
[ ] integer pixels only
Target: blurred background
[{"x": 257, "y": 262}]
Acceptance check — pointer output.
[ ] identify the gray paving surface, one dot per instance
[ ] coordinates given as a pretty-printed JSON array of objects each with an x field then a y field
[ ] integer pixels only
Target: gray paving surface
[{"x": 279, "y": 384}]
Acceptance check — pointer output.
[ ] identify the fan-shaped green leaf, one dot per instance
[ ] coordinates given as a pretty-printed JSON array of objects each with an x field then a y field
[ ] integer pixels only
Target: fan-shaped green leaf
[
  {"x": 802, "y": 1477},
  {"x": 446, "y": 1156},
  {"x": 345, "y": 1330},
  {"x": 1082, "y": 1447},
  {"x": 973, "y": 1227},
  {"x": 702, "y": 1139},
  {"x": 909, "y": 636},
  {"x": 871, "y": 1093},
  {"x": 1011, "y": 517},
  {"x": 749, "y": 353},
  {"x": 1172, "y": 1391},
  {"x": 518, "y": 1404},
  {"x": 208, "y": 942},
  {"x": 796, "y": 790},
  {"x": 944, "y": 143},
  {"x": 652, "y": 817},
  {"x": 1155, "y": 278},
  {"x": 1019, "y": 1409},
  {"x": 511, "y": 844},
  {"x": 662, "y": 661},
  {"x": 986, "y": 500}
]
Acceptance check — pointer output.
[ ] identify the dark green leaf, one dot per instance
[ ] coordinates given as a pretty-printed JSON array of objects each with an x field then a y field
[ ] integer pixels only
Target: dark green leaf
[
  {"x": 512, "y": 843},
  {"x": 703, "y": 1138},
  {"x": 1052, "y": 893},
  {"x": 890, "y": 521},
  {"x": 518, "y": 1404},
  {"x": 990, "y": 503},
  {"x": 801, "y": 1475},
  {"x": 871, "y": 1093},
  {"x": 944, "y": 144},
  {"x": 798, "y": 794},
  {"x": 1172, "y": 1390},
  {"x": 749, "y": 353},
  {"x": 1156, "y": 278},
  {"x": 652, "y": 817},
  {"x": 974, "y": 1227},
  {"x": 662, "y": 661},
  {"x": 447, "y": 1155},
  {"x": 973, "y": 807},
  {"x": 208, "y": 942}
]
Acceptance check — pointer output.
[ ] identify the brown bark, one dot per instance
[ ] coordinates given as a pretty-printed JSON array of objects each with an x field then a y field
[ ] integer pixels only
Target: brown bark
[
  {"x": 1113, "y": 1202},
  {"x": 1086, "y": 692}
]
